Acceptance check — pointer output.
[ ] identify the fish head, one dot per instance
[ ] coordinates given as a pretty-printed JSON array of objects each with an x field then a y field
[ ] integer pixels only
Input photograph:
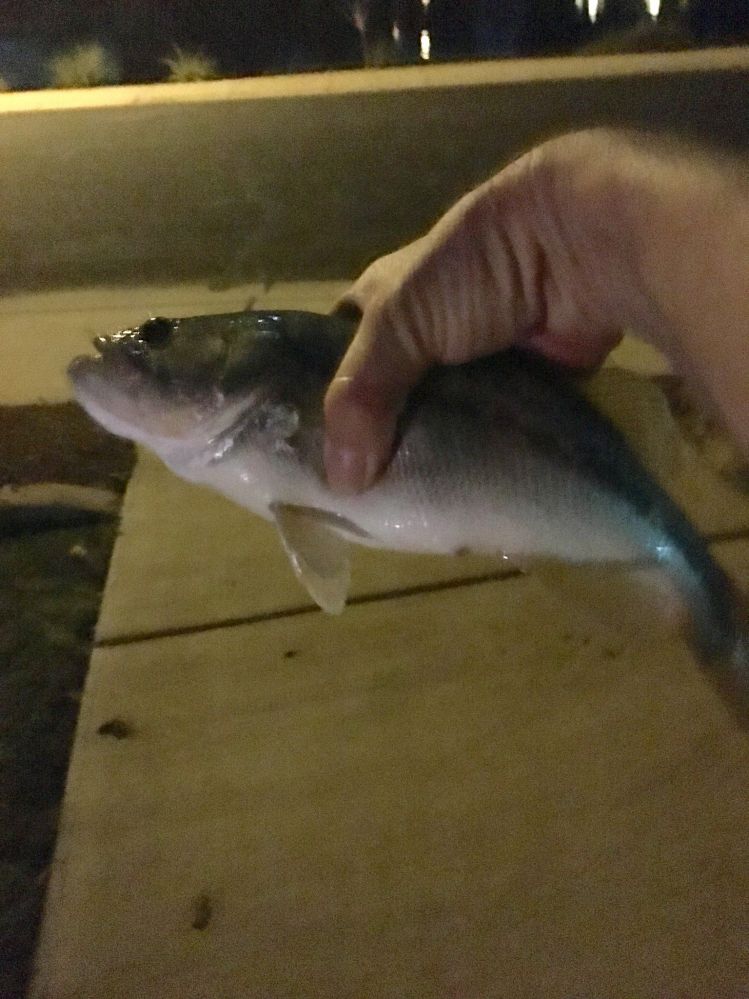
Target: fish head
[{"x": 180, "y": 386}]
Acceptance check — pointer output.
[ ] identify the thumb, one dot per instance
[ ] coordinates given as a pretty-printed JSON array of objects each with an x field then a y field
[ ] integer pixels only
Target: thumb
[{"x": 365, "y": 398}]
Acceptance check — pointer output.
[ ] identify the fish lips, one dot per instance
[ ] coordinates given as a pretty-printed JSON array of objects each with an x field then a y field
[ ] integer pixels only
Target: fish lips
[{"x": 121, "y": 395}]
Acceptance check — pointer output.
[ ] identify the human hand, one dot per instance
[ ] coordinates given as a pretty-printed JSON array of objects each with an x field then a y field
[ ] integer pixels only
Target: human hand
[
  {"x": 503, "y": 266},
  {"x": 582, "y": 237}
]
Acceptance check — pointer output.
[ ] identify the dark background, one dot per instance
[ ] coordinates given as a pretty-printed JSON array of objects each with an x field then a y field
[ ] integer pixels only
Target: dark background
[{"x": 247, "y": 37}]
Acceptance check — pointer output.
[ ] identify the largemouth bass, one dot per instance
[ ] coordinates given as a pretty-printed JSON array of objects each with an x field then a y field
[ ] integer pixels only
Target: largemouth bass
[{"x": 503, "y": 455}]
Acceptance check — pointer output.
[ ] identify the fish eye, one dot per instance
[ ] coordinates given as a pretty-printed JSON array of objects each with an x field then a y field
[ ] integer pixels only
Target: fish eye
[{"x": 156, "y": 333}]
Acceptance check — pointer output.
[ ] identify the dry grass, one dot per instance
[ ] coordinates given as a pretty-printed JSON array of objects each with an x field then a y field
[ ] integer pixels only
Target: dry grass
[
  {"x": 89, "y": 65},
  {"x": 186, "y": 67}
]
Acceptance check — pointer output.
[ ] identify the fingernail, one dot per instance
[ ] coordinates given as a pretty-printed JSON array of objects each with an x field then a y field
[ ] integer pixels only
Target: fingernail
[{"x": 349, "y": 470}]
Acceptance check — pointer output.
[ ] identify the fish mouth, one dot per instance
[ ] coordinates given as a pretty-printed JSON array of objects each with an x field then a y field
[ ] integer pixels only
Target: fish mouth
[
  {"x": 118, "y": 389},
  {"x": 111, "y": 361},
  {"x": 121, "y": 394}
]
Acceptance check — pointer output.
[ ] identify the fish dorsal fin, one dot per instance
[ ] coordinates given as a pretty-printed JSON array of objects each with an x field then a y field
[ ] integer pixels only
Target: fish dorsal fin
[
  {"x": 638, "y": 408},
  {"x": 317, "y": 554}
]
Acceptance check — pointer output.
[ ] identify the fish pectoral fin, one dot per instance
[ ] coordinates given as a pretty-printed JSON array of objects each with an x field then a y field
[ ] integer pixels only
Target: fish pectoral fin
[
  {"x": 639, "y": 409},
  {"x": 319, "y": 556}
]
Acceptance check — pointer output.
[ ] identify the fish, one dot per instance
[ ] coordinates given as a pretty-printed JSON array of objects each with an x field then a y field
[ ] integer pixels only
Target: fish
[{"x": 507, "y": 455}]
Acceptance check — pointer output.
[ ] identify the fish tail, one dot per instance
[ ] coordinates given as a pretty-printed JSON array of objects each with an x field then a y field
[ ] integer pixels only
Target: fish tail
[
  {"x": 738, "y": 661},
  {"x": 720, "y": 625}
]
